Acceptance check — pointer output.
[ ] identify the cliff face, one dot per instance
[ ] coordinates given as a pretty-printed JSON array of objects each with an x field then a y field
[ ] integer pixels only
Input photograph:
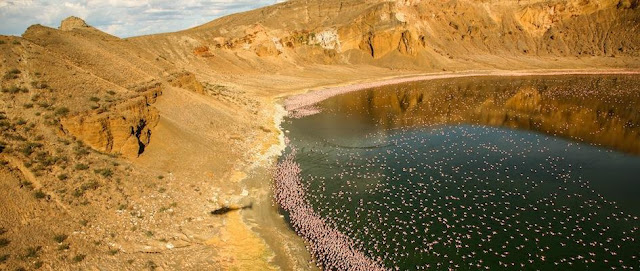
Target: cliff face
[
  {"x": 418, "y": 34},
  {"x": 125, "y": 129}
]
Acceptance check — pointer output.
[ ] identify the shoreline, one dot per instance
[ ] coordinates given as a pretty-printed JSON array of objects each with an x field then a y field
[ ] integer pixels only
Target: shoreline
[
  {"x": 299, "y": 100},
  {"x": 313, "y": 96}
]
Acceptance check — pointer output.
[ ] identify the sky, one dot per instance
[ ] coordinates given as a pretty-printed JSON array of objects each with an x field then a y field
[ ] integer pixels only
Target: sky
[{"x": 122, "y": 18}]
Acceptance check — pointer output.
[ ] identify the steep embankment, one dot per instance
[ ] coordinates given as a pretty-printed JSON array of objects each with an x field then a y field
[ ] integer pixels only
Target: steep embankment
[
  {"x": 123, "y": 147},
  {"x": 417, "y": 35},
  {"x": 132, "y": 142}
]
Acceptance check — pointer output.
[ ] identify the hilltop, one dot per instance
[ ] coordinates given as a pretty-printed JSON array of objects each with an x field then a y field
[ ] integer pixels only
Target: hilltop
[{"x": 115, "y": 151}]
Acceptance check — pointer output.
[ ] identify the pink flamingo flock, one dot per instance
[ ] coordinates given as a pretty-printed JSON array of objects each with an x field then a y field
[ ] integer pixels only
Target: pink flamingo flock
[{"x": 330, "y": 248}]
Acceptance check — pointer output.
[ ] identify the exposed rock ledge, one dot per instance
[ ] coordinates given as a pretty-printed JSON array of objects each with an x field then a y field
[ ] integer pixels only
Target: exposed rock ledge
[
  {"x": 71, "y": 23},
  {"x": 125, "y": 129}
]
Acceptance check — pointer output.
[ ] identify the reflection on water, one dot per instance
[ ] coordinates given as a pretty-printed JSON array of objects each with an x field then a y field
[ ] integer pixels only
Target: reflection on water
[
  {"x": 602, "y": 110},
  {"x": 431, "y": 175}
]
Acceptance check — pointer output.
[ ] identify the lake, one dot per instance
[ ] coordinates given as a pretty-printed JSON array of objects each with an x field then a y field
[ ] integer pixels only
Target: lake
[{"x": 469, "y": 173}]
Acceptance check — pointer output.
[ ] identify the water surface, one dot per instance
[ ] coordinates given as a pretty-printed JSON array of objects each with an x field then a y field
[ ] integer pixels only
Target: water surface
[{"x": 480, "y": 173}]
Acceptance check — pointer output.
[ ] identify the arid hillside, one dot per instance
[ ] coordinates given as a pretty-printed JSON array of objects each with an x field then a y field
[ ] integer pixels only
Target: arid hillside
[
  {"x": 115, "y": 151},
  {"x": 422, "y": 35}
]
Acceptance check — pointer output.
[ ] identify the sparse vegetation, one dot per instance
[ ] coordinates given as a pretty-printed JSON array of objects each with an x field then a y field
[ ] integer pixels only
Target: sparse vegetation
[
  {"x": 32, "y": 252},
  {"x": 81, "y": 167},
  {"x": 111, "y": 92},
  {"x": 78, "y": 258},
  {"x": 12, "y": 74},
  {"x": 39, "y": 85},
  {"x": 113, "y": 251},
  {"x": 44, "y": 105},
  {"x": 4, "y": 242},
  {"x": 62, "y": 111},
  {"x": 78, "y": 193},
  {"x": 30, "y": 148},
  {"x": 94, "y": 99},
  {"x": 38, "y": 264},
  {"x": 4, "y": 258},
  {"x": 63, "y": 177},
  {"x": 151, "y": 265},
  {"x": 105, "y": 172},
  {"x": 38, "y": 194},
  {"x": 14, "y": 90},
  {"x": 59, "y": 238},
  {"x": 63, "y": 247},
  {"x": 28, "y": 105}
]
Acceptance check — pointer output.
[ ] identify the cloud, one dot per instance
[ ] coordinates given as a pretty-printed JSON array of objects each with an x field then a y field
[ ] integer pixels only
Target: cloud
[{"x": 123, "y": 18}]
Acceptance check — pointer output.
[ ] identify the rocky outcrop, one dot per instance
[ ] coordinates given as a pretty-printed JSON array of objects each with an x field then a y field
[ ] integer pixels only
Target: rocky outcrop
[
  {"x": 71, "y": 23},
  {"x": 124, "y": 129},
  {"x": 425, "y": 34},
  {"x": 187, "y": 80}
]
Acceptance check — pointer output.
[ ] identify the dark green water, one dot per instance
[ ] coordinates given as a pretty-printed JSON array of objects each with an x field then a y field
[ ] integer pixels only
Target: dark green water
[{"x": 468, "y": 193}]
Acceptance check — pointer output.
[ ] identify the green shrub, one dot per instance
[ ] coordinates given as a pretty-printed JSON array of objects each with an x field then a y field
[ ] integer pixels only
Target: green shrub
[
  {"x": 2, "y": 42},
  {"x": 63, "y": 177},
  {"x": 39, "y": 194},
  {"x": 32, "y": 252},
  {"x": 4, "y": 258},
  {"x": 4, "y": 242},
  {"x": 38, "y": 264},
  {"x": 30, "y": 148},
  {"x": 111, "y": 92},
  {"x": 105, "y": 172},
  {"x": 28, "y": 105},
  {"x": 78, "y": 258},
  {"x": 151, "y": 265},
  {"x": 91, "y": 185},
  {"x": 62, "y": 111},
  {"x": 94, "y": 99},
  {"x": 59, "y": 238},
  {"x": 113, "y": 251},
  {"x": 77, "y": 193},
  {"x": 63, "y": 247},
  {"x": 14, "y": 90},
  {"x": 44, "y": 105},
  {"x": 12, "y": 74},
  {"x": 81, "y": 167}
]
